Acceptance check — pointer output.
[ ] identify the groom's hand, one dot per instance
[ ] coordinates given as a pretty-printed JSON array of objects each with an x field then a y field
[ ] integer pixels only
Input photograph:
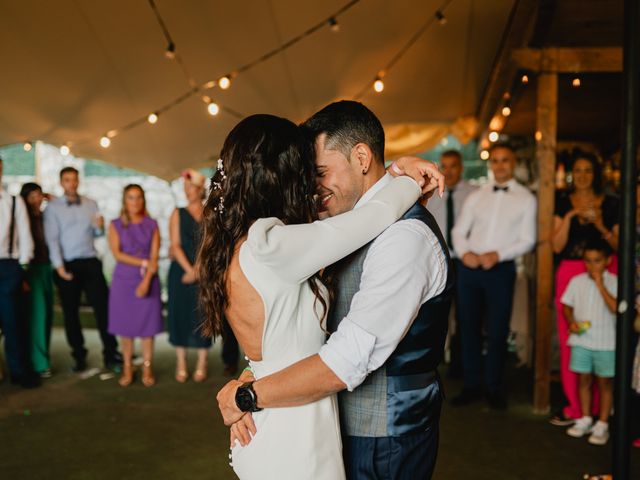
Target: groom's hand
[{"x": 227, "y": 403}]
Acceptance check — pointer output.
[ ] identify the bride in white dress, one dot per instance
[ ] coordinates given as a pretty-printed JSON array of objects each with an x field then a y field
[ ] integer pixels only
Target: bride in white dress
[{"x": 258, "y": 265}]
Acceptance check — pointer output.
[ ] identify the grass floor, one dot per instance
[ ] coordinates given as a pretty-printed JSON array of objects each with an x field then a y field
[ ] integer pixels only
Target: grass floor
[{"x": 74, "y": 428}]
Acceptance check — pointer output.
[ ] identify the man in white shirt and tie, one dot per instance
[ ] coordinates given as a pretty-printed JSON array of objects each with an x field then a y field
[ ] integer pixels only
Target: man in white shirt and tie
[
  {"x": 16, "y": 249},
  {"x": 496, "y": 225},
  {"x": 446, "y": 210}
]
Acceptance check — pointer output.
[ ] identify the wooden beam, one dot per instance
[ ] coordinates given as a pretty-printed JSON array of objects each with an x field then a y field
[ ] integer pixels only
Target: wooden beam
[
  {"x": 518, "y": 33},
  {"x": 546, "y": 137},
  {"x": 569, "y": 60}
]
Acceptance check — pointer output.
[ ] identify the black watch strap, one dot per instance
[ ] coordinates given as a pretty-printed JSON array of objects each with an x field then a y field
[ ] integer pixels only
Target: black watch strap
[{"x": 246, "y": 398}]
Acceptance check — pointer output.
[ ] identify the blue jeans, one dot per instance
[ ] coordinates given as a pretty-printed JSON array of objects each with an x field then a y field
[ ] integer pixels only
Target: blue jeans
[{"x": 489, "y": 291}]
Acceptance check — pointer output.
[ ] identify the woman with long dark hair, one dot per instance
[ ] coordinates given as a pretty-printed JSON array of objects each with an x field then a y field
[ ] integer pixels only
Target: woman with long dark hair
[
  {"x": 40, "y": 280},
  {"x": 583, "y": 214},
  {"x": 135, "y": 309},
  {"x": 259, "y": 265}
]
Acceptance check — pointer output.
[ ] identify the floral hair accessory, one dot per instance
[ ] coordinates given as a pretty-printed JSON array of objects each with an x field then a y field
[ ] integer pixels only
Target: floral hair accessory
[
  {"x": 194, "y": 176},
  {"x": 218, "y": 178}
]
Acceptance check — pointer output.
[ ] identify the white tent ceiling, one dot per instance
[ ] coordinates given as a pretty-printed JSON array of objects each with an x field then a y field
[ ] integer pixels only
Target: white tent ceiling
[{"x": 73, "y": 70}]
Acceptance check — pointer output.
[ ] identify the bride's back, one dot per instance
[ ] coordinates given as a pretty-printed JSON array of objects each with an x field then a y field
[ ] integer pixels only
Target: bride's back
[{"x": 245, "y": 310}]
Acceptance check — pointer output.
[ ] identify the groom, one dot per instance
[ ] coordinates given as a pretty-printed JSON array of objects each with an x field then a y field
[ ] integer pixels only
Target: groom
[{"x": 388, "y": 319}]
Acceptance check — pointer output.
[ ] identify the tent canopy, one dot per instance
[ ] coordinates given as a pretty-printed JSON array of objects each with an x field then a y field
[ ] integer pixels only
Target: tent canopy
[{"x": 74, "y": 70}]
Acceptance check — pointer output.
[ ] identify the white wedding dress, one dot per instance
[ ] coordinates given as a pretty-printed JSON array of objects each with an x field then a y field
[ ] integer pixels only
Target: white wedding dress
[{"x": 303, "y": 442}]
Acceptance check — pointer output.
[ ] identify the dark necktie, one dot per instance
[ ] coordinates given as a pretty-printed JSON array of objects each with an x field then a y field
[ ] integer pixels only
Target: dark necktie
[
  {"x": 496, "y": 188},
  {"x": 450, "y": 215}
]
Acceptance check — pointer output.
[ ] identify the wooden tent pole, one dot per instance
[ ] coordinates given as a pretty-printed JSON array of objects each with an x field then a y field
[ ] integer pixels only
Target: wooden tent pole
[{"x": 546, "y": 136}]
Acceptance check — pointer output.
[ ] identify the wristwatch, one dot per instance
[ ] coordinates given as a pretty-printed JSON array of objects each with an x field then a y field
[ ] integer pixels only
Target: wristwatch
[{"x": 246, "y": 398}]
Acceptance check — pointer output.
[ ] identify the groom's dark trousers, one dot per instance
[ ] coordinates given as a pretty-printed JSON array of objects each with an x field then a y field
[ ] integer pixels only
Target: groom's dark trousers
[{"x": 407, "y": 457}]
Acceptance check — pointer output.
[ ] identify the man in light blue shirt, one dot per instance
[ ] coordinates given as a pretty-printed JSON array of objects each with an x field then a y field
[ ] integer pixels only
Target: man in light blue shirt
[{"x": 70, "y": 223}]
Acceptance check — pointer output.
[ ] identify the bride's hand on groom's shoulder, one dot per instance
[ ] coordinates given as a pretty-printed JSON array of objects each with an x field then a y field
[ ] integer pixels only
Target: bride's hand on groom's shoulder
[
  {"x": 243, "y": 431},
  {"x": 426, "y": 173},
  {"x": 227, "y": 403}
]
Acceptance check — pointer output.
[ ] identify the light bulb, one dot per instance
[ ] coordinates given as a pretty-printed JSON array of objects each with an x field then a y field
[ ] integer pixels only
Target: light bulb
[
  {"x": 494, "y": 136},
  {"x": 576, "y": 82},
  {"x": 334, "y": 25},
  {"x": 538, "y": 136},
  {"x": 213, "y": 108},
  {"x": 484, "y": 154},
  {"x": 224, "y": 82},
  {"x": 27, "y": 146},
  {"x": 525, "y": 79},
  {"x": 152, "y": 118},
  {"x": 506, "y": 111},
  {"x": 64, "y": 150},
  {"x": 442, "y": 20},
  {"x": 105, "y": 142},
  {"x": 378, "y": 85},
  {"x": 170, "y": 52}
]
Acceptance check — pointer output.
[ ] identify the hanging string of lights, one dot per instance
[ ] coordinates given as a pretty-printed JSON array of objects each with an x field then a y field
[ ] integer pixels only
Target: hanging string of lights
[
  {"x": 223, "y": 82},
  {"x": 378, "y": 82},
  {"x": 504, "y": 111}
]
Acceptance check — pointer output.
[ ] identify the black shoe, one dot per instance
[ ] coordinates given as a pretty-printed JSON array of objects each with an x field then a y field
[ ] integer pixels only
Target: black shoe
[
  {"x": 113, "y": 362},
  {"x": 27, "y": 381},
  {"x": 80, "y": 366},
  {"x": 467, "y": 396},
  {"x": 497, "y": 401}
]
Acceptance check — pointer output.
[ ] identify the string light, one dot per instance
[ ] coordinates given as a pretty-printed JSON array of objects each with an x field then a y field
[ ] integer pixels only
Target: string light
[
  {"x": 494, "y": 136},
  {"x": 442, "y": 20},
  {"x": 484, "y": 154},
  {"x": 27, "y": 146},
  {"x": 538, "y": 136},
  {"x": 64, "y": 150},
  {"x": 213, "y": 108},
  {"x": 105, "y": 142},
  {"x": 576, "y": 82},
  {"x": 525, "y": 79},
  {"x": 224, "y": 82},
  {"x": 506, "y": 111},
  {"x": 170, "y": 52},
  {"x": 378, "y": 85}
]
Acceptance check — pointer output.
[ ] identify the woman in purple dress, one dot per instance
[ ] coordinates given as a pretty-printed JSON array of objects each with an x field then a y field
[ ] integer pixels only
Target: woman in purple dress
[{"x": 134, "y": 298}]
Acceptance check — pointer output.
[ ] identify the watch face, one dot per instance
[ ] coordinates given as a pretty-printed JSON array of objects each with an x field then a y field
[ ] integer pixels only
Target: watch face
[{"x": 244, "y": 399}]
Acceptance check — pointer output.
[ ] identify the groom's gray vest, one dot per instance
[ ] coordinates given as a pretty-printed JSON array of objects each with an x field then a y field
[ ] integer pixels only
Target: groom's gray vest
[{"x": 403, "y": 396}]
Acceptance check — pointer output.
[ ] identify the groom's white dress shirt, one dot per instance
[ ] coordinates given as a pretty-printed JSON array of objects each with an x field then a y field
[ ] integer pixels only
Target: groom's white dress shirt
[{"x": 404, "y": 268}]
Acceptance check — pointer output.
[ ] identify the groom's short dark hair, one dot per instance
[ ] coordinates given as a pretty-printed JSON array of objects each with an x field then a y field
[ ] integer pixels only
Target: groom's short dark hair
[{"x": 347, "y": 123}]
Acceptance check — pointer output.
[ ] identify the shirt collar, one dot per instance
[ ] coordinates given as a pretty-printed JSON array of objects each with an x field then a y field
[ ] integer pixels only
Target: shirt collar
[
  {"x": 375, "y": 188},
  {"x": 77, "y": 201},
  {"x": 511, "y": 183}
]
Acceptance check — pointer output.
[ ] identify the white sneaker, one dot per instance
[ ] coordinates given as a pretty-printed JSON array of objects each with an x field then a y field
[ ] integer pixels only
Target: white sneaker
[
  {"x": 599, "y": 434},
  {"x": 581, "y": 427}
]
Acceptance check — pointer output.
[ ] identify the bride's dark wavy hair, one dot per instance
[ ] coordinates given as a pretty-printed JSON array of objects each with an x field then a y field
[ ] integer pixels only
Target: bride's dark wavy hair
[{"x": 270, "y": 172}]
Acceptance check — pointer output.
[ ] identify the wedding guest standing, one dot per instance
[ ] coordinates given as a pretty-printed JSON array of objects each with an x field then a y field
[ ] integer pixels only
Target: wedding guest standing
[
  {"x": 497, "y": 224},
  {"x": 446, "y": 210},
  {"x": 184, "y": 314},
  {"x": 16, "y": 249},
  {"x": 583, "y": 214},
  {"x": 135, "y": 308},
  {"x": 70, "y": 224},
  {"x": 40, "y": 281}
]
